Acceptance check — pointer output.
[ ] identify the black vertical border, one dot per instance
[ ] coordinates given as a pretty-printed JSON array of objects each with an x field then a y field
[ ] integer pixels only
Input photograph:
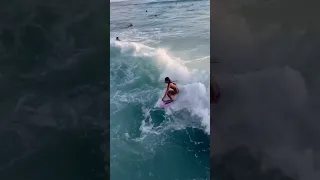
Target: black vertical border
[
  {"x": 107, "y": 168},
  {"x": 107, "y": 154},
  {"x": 211, "y": 90},
  {"x": 233, "y": 164},
  {"x": 36, "y": 164}
]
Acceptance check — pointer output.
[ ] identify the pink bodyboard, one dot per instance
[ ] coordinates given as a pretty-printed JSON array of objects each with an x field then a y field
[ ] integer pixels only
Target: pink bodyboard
[{"x": 166, "y": 103}]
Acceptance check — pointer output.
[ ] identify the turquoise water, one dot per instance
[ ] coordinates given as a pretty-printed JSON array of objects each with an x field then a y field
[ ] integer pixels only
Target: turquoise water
[{"x": 168, "y": 38}]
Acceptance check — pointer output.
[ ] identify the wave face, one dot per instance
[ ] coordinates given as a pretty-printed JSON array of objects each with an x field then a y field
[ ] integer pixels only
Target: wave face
[{"x": 147, "y": 141}]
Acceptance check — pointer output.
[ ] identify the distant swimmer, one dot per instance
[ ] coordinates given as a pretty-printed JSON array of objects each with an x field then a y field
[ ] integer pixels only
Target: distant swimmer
[
  {"x": 117, "y": 38},
  {"x": 172, "y": 89},
  {"x": 146, "y": 10},
  {"x": 130, "y": 25}
]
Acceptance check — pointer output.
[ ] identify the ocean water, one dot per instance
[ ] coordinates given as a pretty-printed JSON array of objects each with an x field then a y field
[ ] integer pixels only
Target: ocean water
[{"x": 168, "y": 38}]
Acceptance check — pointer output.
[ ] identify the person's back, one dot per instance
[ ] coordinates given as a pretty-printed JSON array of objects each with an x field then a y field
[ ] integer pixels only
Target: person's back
[{"x": 173, "y": 86}]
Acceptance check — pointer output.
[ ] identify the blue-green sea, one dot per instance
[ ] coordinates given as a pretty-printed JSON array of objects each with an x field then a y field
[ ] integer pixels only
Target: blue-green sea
[{"x": 159, "y": 38}]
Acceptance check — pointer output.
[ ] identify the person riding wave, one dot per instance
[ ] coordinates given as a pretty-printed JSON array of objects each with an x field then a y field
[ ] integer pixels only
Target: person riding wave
[{"x": 172, "y": 89}]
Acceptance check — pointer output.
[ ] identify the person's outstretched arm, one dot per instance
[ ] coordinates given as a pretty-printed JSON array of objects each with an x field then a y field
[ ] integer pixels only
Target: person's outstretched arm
[{"x": 165, "y": 93}]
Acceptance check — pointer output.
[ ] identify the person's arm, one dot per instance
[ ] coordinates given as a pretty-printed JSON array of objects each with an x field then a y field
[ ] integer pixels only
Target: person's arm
[{"x": 165, "y": 93}]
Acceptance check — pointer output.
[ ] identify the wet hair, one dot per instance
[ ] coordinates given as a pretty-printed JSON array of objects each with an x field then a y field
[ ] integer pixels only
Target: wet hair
[{"x": 167, "y": 79}]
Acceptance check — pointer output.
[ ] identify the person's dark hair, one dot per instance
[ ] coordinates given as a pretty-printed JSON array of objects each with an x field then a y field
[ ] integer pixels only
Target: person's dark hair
[{"x": 167, "y": 79}]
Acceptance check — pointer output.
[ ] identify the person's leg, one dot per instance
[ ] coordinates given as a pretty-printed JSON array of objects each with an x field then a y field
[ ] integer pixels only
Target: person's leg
[
  {"x": 170, "y": 94},
  {"x": 176, "y": 91}
]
